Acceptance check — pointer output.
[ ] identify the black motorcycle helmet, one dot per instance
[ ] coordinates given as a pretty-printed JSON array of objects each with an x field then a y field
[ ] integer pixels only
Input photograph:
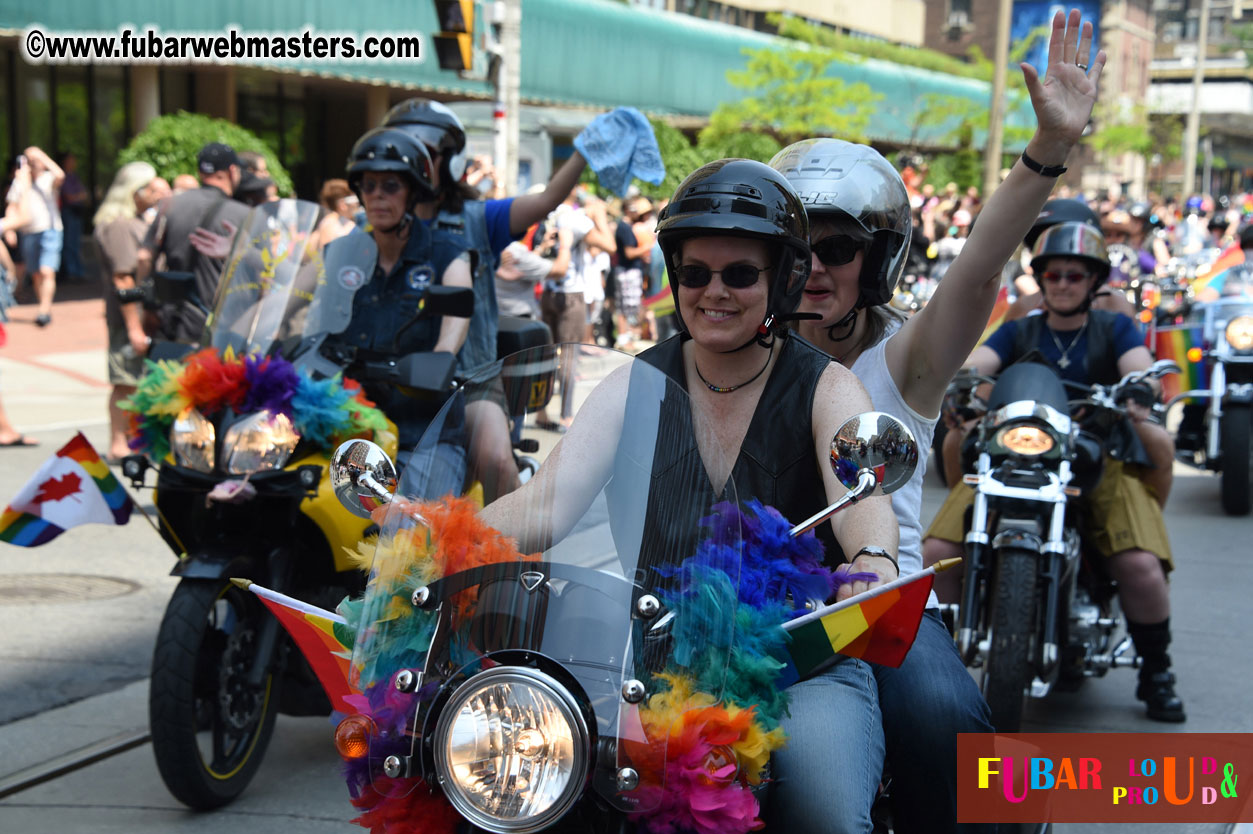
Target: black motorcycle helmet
[
  {"x": 435, "y": 126},
  {"x": 842, "y": 179},
  {"x": 741, "y": 198},
  {"x": 1080, "y": 241},
  {"x": 389, "y": 149},
  {"x": 1143, "y": 211},
  {"x": 1060, "y": 211}
]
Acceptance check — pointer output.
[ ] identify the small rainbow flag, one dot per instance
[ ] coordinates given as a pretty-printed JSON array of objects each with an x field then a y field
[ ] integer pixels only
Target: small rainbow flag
[
  {"x": 322, "y": 636},
  {"x": 73, "y": 487},
  {"x": 878, "y": 626},
  {"x": 999, "y": 310},
  {"x": 1233, "y": 256},
  {"x": 1173, "y": 343},
  {"x": 661, "y": 303}
]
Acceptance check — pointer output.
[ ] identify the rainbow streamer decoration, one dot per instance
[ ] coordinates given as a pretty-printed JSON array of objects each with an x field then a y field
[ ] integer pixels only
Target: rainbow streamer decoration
[
  {"x": 698, "y": 755},
  {"x": 999, "y": 310},
  {"x": 323, "y": 412},
  {"x": 73, "y": 487},
  {"x": 1173, "y": 343}
]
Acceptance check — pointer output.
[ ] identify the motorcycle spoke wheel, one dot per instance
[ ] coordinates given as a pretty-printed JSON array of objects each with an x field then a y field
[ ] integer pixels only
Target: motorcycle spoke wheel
[
  {"x": 1237, "y": 463},
  {"x": 1008, "y": 669},
  {"x": 210, "y": 727}
]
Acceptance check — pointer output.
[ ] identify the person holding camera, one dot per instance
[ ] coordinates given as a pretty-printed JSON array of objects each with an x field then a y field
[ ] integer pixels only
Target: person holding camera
[
  {"x": 36, "y": 218},
  {"x": 120, "y": 230}
]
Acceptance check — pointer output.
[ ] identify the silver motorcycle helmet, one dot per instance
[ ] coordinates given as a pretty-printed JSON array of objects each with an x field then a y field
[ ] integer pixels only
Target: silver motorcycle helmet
[
  {"x": 1072, "y": 240},
  {"x": 838, "y": 178}
]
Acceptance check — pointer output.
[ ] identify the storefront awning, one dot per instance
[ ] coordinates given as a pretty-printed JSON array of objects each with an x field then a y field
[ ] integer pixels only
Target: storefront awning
[{"x": 582, "y": 53}]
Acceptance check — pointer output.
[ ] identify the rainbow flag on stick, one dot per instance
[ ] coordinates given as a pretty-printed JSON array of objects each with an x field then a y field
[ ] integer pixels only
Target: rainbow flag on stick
[
  {"x": 327, "y": 648},
  {"x": 1173, "y": 343},
  {"x": 1231, "y": 257},
  {"x": 878, "y": 626},
  {"x": 73, "y": 487},
  {"x": 999, "y": 310}
]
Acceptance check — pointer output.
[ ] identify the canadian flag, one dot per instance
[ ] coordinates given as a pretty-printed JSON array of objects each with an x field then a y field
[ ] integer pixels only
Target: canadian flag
[{"x": 72, "y": 487}]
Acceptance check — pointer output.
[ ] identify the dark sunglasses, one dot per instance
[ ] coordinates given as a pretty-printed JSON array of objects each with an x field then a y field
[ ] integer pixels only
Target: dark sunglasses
[
  {"x": 735, "y": 276},
  {"x": 388, "y": 187},
  {"x": 837, "y": 250},
  {"x": 1077, "y": 277}
]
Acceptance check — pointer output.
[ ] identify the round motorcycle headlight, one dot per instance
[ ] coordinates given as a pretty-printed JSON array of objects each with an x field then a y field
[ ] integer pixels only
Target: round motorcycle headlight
[
  {"x": 260, "y": 441},
  {"x": 192, "y": 439},
  {"x": 1240, "y": 333},
  {"x": 1028, "y": 441},
  {"x": 512, "y": 750}
]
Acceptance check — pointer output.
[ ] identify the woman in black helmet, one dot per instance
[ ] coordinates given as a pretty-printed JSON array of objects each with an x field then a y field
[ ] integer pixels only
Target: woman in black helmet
[
  {"x": 735, "y": 242},
  {"x": 390, "y": 173},
  {"x": 859, "y": 232}
]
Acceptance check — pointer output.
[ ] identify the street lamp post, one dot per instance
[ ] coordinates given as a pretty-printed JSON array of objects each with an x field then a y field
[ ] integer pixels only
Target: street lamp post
[
  {"x": 1193, "y": 131},
  {"x": 996, "y": 109}
]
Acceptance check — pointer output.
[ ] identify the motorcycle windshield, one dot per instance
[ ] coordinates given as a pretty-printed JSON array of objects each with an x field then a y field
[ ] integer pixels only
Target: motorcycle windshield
[
  {"x": 275, "y": 287},
  {"x": 613, "y": 569}
]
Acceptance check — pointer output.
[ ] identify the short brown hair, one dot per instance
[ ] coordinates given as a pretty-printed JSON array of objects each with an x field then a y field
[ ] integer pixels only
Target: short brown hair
[{"x": 332, "y": 192}]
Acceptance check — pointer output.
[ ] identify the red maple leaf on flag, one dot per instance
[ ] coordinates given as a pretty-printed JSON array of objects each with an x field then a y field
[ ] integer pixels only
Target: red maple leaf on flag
[{"x": 54, "y": 489}]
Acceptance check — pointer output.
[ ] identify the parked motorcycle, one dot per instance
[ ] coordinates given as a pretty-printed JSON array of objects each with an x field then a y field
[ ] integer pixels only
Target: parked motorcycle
[
  {"x": 240, "y": 436},
  {"x": 1036, "y": 611},
  {"x": 522, "y": 668},
  {"x": 1214, "y": 433}
]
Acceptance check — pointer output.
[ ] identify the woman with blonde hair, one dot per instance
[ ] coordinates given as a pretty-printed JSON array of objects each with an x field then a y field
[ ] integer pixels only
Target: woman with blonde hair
[{"x": 120, "y": 229}]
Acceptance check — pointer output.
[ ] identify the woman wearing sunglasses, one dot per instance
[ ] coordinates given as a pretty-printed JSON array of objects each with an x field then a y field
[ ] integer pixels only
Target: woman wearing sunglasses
[
  {"x": 859, "y": 231},
  {"x": 735, "y": 241}
]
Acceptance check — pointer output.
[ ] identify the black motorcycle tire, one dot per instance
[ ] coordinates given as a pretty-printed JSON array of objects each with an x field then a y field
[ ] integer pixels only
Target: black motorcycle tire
[
  {"x": 192, "y": 655},
  {"x": 1234, "y": 429},
  {"x": 1007, "y": 670}
]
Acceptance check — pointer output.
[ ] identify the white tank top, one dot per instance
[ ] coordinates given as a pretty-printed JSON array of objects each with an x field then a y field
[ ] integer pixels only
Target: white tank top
[{"x": 872, "y": 369}]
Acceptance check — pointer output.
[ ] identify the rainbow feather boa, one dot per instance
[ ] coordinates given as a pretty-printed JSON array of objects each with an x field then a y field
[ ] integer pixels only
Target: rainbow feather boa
[
  {"x": 714, "y": 717},
  {"x": 323, "y": 412}
]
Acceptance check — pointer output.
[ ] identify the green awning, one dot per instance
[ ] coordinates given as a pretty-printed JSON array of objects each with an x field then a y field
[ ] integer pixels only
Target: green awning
[{"x": 584, "y": 53}]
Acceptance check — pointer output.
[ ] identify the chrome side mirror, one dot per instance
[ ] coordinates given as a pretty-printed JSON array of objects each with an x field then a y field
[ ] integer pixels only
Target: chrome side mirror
[
  {"x": 877, "y": 443},
  {"x": 363, "y": 476},
  {"x": 872, "y": 454}
]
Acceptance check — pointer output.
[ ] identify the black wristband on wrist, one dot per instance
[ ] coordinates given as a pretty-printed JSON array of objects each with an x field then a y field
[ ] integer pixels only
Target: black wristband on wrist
[
  {"x": 878, "y": 551},
  {"x": 1043, "y": 170}
]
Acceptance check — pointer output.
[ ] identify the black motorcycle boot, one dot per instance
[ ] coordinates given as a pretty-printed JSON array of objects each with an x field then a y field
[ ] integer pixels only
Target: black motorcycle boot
[{"x": 1157, "y": 682}]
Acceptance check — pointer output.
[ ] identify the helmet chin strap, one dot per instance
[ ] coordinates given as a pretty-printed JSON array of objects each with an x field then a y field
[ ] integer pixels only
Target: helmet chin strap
[
  {"x": 849, "y": 321},
  {"x": 401, "y": 228}
]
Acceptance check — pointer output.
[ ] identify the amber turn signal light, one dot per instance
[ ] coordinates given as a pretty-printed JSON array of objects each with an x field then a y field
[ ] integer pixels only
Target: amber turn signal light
[
  {"x": 352, "y": 736},
  {"x": 1195, "y": 355}
]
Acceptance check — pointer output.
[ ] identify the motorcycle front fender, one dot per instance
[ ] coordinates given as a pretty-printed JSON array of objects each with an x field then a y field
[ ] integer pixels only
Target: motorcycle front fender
[
  {"x": 1238, "y": 394},
  {"x": 205, "y": 564}
]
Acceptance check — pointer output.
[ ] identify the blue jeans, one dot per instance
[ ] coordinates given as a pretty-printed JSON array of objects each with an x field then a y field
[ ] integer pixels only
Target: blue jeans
[
  {"x": 72, "y": 236},
  {"x": 432, "y": 471},
  {"x": 42, "y": 250},
  {"x": 925, "y": 704},
  {"x": 827, "y": 774}
]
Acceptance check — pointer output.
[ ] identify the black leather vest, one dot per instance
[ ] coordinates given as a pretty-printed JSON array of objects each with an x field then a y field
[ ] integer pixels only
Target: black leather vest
[
  {"x": 1100, "y": 364},
  {"x": 775, "y": 464}
]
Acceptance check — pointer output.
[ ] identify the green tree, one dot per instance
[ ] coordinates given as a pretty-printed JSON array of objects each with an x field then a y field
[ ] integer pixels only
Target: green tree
[
  {"x": 171, "y": 143},
  {"x": 1122, "y": 130},
  {"x": 792, "y": 97}
]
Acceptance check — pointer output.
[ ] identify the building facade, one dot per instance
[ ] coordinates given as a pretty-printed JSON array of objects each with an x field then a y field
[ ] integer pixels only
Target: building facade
[{"x": 1225, "y": 150}]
